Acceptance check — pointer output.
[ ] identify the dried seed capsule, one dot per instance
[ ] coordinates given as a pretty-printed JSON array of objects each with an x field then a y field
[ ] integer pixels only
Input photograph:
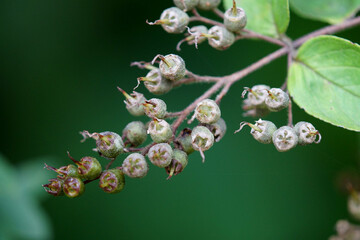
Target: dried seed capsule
[
  {"x": 306, "y": 133},
  {"x": 208, "y": 4},
  {"x": 156, "y": 83},
  {"x": 54, "y": 187},
  {"x": 183, "y": 141},
  {"x": 112, "y": 181},
  {"x": 197, "y": 34},
  {"x": 235, "y": 18},
  {"x": 285, "y": 139},
  {"x": 257, "y": 95},
  {"x": 207, "y": 111},
  {"x": 73, "y": 187},
  {"x": 186, "y": 5},
  {"x": 160, "y": 154},
  {"x": 262, "y": 130},
  {"x": 342, "y": 227},
  {"x": 135, "y": 133},
  {"x": 173, "y": 20},
  {"x": 134, "y": 102},
  {"x": 202, "y": 139},
  {"x": 220, "y": 38},
  {"x": 172, "y": 67},
  {"x": 178, "y": 163},
  {"x": 160, "y": 131},
  {"x": 277, "y": 100},
  {"x": 108, "y": 144},
  {"x": 64, "y": 171},
  {"x": 155, "y": 108},
  {"x": 354, "y": 204},
  {"x": 89, "y": 168},
  {"x": 135, "y": 166},
  {"x": 218, "y": 129}
]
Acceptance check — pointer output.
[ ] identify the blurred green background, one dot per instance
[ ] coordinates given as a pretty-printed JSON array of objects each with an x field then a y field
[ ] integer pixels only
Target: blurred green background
[{"x": 60, "y": 64}]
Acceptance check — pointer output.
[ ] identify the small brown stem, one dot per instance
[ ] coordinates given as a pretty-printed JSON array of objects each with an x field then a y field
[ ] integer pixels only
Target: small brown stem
[
  {"x": 110, "y": 163},
  {"x": 290, "y": 115},
  {"x": 205, "y": 20},
  {"x": 253, "y": 35}
]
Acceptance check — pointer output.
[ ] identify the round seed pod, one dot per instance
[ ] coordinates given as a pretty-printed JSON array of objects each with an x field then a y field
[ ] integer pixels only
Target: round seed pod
[
  {"x": 160, "y": 154},
  {"x": 218, "y": 129},
  {"x": 220, "y": 38},
  {"x": 262, "y": 130},
  {"x": 155, "y": 108},
  {"x": 208, "y": 4},
  {"x": 109, "y": 144},
  {"x": 207, "y": 111},
  {"x": 134, "y": 102},
  {"x": 186, "y": 5},
  {"x": 342, "y": 227},
  {"x": 112, "y": 181},
  {"x": 183, "y": 141},
  {"x": 160, "y": 131},
  {"x": 156, "y": 83},
  {"x": 257, "y": 95},
  {"x": 172, "y": 67},
  {"x": 135, "y": 133},
  {"x": 201, "y": 138},
  {"x": 306, "y": 133},
  {"x": 73, "y": 187},
  {"x": 135, "y": 166},
  {"x": 277, "y": 100},
  {"x": 89, "y": 168},
  {"x": 197, "y": 31},
  {"x": 235, "y": 19},
  {"x": 54, "y": 187},
  {"x": 174, "y": 20},
  {"x": 285, "y": 139},
  {"x": 178, "y": 163},
  {"x": 65, "y": 171}
]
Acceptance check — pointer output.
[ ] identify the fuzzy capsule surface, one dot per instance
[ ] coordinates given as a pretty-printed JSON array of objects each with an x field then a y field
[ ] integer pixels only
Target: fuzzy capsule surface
[
  {"x": 208, "y": 4},
  {"x": 178, "y": 163},
  {"x": 135, "y": 133},
  {"x": 110, "y": 144},
  {"x": 54, "y": 187},
  {"x": 89, "y": 168},
  {"x": 277, "y": 100},
  {"x": 207, "y": 111},
  {"x": 160, "y": 155},
  {"x": 257, "y": 95},
  {"x": 155, "y": 108},
  {"x": 178, "y": 20},
  {"x": 160, "y": 131},
  {"x": 135, "y": 166},
  {"x": 235, "y": 22},
  {"x": 264, "y": 131},
  {"x": 65, "y": 171},
  {"x": 218, "y": 129},
  {"x": 73, "y": 187},
  {"x": 197, "y": 31},
  {"x": 134, "y": 104},
  {"x": 183, "y": 141},
  {"x": 157, "y": 83},
  {"x": 285, "y": 139},
  {"x": 201, "y": 138},
  {"x": 306, "y": 132},
  {"x": 222, "y": 39},
  {"x": 112, "y": 181},
  {"x": 172, "y": 67},
  {"x": 186, "y": 5}
]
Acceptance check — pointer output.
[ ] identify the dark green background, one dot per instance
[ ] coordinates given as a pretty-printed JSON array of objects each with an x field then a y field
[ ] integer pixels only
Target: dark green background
[{"x": 60, "y": 64}]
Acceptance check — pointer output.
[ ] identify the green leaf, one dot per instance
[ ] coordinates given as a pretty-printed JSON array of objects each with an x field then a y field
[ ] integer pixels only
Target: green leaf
[
  {"x": 325, "y": 80},
  {"x": 330, "y": 11},
  {"x": 20, "y": 214},
  {"x": 268, "y": 17}
]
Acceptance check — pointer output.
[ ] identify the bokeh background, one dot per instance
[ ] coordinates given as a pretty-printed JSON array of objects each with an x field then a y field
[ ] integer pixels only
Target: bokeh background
[{"x": 60, "y": 64}]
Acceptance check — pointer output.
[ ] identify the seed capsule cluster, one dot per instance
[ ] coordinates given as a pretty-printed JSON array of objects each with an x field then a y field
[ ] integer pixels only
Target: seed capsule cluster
[
  {"x": 220, "y": 36},
  {"x": 283, "y": 138},
  {"x": 346, "y": 231}
]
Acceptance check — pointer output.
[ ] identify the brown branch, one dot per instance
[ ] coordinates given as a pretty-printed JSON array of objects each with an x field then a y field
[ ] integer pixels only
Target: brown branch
[
  {"x": 205, "y": 20},
  {"x": 253, "y": 35},
  {"x": 218, "y": 12}
]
